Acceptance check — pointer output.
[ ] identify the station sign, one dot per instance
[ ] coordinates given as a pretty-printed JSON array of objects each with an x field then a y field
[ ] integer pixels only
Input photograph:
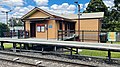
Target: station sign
[{"x": 111, "y": 36}]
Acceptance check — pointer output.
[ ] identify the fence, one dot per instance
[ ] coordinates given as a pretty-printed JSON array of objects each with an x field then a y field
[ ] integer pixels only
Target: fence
[
  {"x": 85, "y": 35},
  {"x": 13, "y": 33}
]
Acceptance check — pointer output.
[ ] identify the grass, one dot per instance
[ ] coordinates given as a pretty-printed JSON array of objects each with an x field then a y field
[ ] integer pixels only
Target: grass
[
  {"x": 114, "y": 42},
  {"x": 8, "y": 45},
  {"x": 99, "y": 53}
]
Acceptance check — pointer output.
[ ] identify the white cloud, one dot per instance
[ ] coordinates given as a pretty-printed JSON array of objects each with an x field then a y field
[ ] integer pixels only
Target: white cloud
[
  {"x": 85, "y": 6},
  {"x": 44, "y": 7},
  {"x": 12, "y": 3},
  {"x": 81, "y": 6},
  {"x": 3, "y": 9},
  {"x": 109, "y": 3},
  {"x": 17, "y": 12},
  {"x": 63, "y": 8},
  {"x": 41, "y": 2},
  {"x": 54, "y": 6},
  {"x": 20, "y": 11},
  {"x": 2, "y": 15},
  {"x": 71, "y": 8}
]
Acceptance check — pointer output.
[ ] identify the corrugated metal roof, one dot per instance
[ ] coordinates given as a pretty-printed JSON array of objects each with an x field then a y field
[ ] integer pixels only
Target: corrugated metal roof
[{"x": 85, "y": 15}]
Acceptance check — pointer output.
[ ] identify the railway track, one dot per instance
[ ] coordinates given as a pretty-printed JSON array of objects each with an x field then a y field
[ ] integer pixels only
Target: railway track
[
  {"x": 17, "y": 62},
  {"x": 38, "y": 61}
]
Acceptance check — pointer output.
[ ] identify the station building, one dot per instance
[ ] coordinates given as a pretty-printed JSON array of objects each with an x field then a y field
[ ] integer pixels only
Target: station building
[{"x": 45, "y": 24}]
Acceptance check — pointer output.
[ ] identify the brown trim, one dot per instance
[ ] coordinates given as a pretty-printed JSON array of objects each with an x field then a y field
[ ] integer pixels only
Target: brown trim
[
  {"x": 34, "y": 10},
  {"x": 43, "y": 19}
]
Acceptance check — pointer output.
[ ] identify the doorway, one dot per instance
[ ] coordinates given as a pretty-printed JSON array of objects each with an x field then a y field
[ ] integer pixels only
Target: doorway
[{"x": 32, "y": 29}]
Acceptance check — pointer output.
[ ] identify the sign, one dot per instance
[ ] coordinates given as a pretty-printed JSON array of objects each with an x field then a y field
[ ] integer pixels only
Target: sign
[
  {"x": 111, "y": 36},
  {"x": 50, "y": 26}
]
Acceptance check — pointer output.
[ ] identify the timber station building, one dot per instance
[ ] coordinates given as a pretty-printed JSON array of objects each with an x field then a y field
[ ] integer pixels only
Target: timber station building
[{"x": 45, "y": 24}]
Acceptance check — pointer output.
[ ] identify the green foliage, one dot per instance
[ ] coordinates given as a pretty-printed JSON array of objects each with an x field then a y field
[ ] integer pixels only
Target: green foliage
[
  {"x": 112, "y": 21},
  {"x": 12, "y": 22},
  {"x": 9, "y": 45},
  {"x": 20, "y": 23},
  {"x": 15, "y": 22},
  {"x": 3, "y": 28},
  {"x": 96, "y": 6},
  {"x": 116, "y": 2},
  {"x": 99, "y": 53}
]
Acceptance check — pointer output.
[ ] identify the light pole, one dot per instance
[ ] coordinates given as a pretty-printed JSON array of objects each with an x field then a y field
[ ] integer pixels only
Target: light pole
[
  {"x": 6, "y": 12},
  {"x": 78, "y": 18}
]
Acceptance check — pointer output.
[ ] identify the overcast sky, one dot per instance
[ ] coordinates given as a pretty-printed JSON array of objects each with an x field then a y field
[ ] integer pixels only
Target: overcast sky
[{"x": 21, "y": 7}]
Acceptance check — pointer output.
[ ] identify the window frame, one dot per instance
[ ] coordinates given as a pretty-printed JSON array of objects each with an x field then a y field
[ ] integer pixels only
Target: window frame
[{"x": 40, "y": 28}]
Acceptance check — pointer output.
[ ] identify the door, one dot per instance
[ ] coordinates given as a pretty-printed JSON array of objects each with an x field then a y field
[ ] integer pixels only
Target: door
[{"x": 32, "y": 29}]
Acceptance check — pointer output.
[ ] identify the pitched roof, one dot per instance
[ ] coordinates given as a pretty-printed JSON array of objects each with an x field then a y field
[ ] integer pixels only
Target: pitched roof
[{"x": 66, "y": 16}]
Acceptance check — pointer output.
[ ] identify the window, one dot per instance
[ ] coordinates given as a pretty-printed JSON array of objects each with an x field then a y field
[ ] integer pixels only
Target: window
[{"x": 40, "y": 28}]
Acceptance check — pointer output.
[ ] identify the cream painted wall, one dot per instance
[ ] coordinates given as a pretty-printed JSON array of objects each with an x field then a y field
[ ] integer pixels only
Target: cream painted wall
[
  {"x": 27, "y": 26},
  {"x": 88, "y": 24},
  {"x": 39, "y": 15}
]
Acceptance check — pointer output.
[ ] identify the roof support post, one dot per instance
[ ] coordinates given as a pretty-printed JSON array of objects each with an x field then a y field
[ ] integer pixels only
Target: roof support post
[
  {"x": 55, "y": 48},
  {"x": 14, "y": 47},
  {"x": 26, "y": 46},
  {"x": 42, "y": 49},
  {"x": 71, "y": 51},
  {"x": 20, "y": 47},
  {"x": 76, "y": 50},
  {"x": 32, "y": 46},
  {"x": 109, "y": 56},
  {"x": 2, "y": 46}
]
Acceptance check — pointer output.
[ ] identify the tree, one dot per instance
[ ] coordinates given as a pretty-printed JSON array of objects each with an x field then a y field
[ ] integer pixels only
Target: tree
[
  {"x": 15, "y": 22},
  {"x": 113, "y": 18},
  {"x": 3, "y": 28},
  {"x": 96, "y": 6},
  {"x": 12, "y": 22},
  {"x": 20, "y": 23},
  {"x": 117, "y": 2}
]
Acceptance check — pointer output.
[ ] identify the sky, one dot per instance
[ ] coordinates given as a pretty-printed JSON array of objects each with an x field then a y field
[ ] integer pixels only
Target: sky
[{"x": 21, "y": 7}]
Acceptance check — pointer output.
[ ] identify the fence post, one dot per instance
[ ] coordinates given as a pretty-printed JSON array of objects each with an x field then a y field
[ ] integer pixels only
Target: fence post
[
  {"x": 18, "y": 34},
  {"x": 0, "y": 33},
  {"x": 98, "y": 36},
  {"x": 11, "y": 33},
  {"x": 82, "y": 35},
  {"x": 58, "y": 35},
  {"x": 62, "y": 34}
]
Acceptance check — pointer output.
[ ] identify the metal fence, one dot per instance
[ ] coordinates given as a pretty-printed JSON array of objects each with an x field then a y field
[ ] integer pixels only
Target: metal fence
[
  {"x": 14, "y": 33},
  {"x": 86, "y": 35}
]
